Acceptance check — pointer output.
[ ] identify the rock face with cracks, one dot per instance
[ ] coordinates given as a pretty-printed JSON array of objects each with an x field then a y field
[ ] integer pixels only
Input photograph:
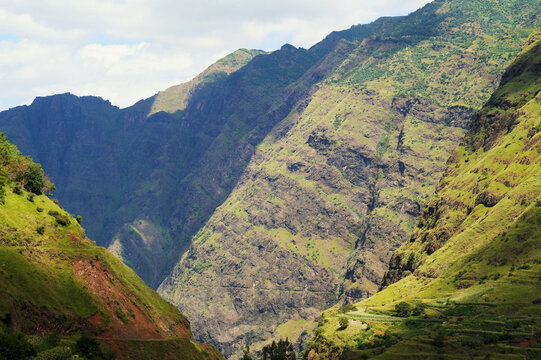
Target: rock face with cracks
[
  {"x": 466, "y": 283},
  {"x": 340, "y": 182},
  {"x": 275, "y": 184}
]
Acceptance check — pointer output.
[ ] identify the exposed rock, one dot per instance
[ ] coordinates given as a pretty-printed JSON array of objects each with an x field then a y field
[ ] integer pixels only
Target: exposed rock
[{"x": 487, "y": 199}]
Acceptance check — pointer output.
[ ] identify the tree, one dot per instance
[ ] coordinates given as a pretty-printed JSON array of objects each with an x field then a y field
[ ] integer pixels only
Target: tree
[
  {"x": 403, "y": 309},
  {"x": 419, "y": 309},
  {"x": 34, "y": 179},
  {"x": 283, "y": 350}
]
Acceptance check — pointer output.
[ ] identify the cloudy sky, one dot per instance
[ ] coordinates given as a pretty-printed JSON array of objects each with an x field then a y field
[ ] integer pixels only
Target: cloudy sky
[{"x": 126, "y": 50}]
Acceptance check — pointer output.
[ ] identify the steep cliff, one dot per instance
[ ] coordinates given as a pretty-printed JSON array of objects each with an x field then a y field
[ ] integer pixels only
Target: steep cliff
[
  {"x": 470, "y": 271},
  {"x": 275, "y": 184},
  {"x": 339, "y": 184}
]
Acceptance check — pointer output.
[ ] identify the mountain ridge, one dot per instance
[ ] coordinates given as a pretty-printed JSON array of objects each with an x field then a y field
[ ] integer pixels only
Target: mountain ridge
[
  {"x": 360, "y": 126},
  {"x": 336, "y": 203}
]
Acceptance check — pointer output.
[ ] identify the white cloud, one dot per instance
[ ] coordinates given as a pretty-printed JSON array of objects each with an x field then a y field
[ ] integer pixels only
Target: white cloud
[{"x": 126, "y": 50}]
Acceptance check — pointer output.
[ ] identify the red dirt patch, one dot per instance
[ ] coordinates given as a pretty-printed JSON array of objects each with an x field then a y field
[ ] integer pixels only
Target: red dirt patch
[{"x": 128, "y": 320}]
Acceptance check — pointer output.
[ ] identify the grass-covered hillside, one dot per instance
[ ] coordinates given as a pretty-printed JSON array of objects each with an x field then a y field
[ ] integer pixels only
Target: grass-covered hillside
[
  {"x": 56, "y": 284},
  {"x": 342, "y": 180},
  {"x": 467, "y": 284}
]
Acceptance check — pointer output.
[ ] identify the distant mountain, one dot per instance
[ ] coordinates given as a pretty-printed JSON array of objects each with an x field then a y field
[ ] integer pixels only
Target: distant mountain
[
  {"x": 55, "y": 282},
  {"x": 176, "y": 98},
  {"x": 274, "y": 185},
  {"x": 474, "y": 259}
]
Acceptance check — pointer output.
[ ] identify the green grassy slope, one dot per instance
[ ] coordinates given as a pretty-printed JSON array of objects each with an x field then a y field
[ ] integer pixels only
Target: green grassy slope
[
  {"x": 53, "y": 279},
  {"x": 474, "y": 259},
  {"x": 341, "y": 182}
]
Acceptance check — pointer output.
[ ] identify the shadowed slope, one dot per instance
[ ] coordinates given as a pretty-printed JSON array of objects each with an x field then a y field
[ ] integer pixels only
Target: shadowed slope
[{"x": 55, "y": 280}]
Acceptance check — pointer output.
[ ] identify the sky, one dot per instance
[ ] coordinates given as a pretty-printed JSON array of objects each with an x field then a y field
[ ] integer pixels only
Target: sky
[{"x": 127, "y": 50}]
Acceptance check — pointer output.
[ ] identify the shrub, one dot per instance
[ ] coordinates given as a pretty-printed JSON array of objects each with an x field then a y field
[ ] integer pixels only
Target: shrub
[
  {"x": 282, "y": 350},
  {"x": 13, "y": 345},
  {"x": 61, "y": 219},
  {"x": 17, "y": 189},
  {"x": 459, "y": 275},
  {"x": 347, "y": 308},
  {"x": 389, "y": 339},
  {"x": 30, "y": 197},
  {"x": 56, "y": 353},
  {"x": 40, "y": 229},
  {"x": 122, "y": 316},
  {"x": 90, "y": 349},
  {"x": 343, "y": 322},
  {"x": 39, "y": 209},
  {"x": 79, "y": 218},
  {"x": 403, "y": 309}
]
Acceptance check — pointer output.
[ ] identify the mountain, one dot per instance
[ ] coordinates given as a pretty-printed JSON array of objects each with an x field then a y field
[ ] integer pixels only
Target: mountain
[
  {"x": 54, "y": 280},
  {"x": 474, "y": 259},
  {"x": 118, "y": 168},
  {"x": 176, "y": 98},
  {"x": 341, "y": 181},
  {"x": 259, "y": 196}
]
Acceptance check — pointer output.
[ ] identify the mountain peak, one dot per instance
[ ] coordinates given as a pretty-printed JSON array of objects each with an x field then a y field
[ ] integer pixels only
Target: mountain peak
[
  {"x": 288, "y": 47},
  {"x": 68, "y": 97}
]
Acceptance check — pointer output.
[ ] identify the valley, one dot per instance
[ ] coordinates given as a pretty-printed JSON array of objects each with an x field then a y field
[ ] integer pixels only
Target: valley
[{"x": 277, "y": 186}]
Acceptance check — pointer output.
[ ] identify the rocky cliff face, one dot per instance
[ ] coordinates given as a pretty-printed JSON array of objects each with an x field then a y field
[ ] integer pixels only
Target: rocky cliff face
[
  {"x": 284, "y": 186},
  {"x": 340, "y": 182},
  {"x": 119, "y": 168},
  {"x": 473, "y": 260}
]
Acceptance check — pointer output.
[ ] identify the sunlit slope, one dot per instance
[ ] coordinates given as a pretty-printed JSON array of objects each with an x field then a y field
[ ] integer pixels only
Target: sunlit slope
[
  {"x": 474, "y": 259},
  {"x": 177, "y": 97}
]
